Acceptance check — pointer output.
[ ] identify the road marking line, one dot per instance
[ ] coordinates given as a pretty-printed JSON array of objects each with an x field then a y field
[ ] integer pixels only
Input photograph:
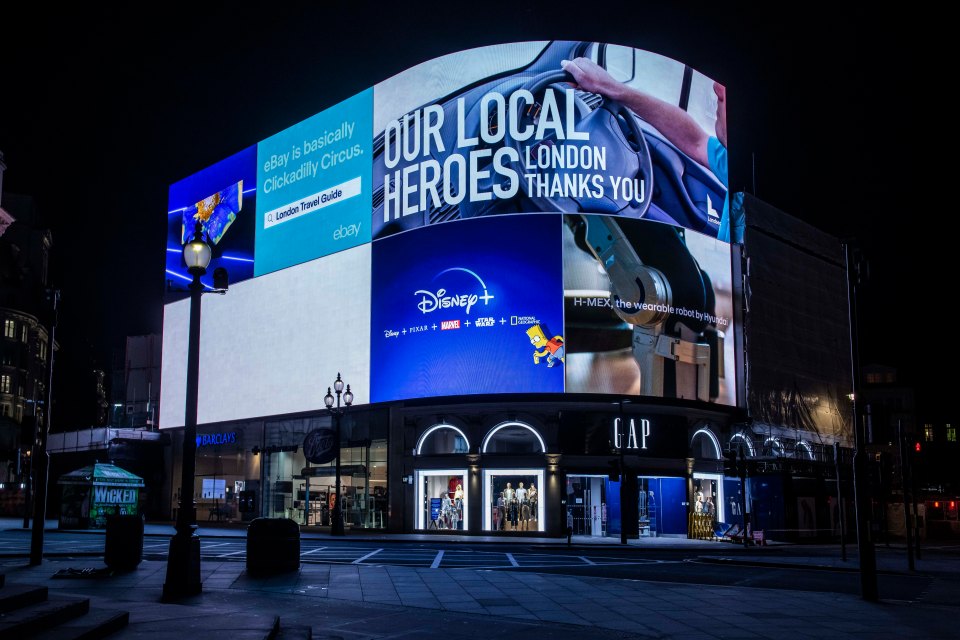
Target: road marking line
[
  {"x": 436, "y": 561},
  {"x": 306, "y": 553},
  {"x": 587, "y": 560},
  {"x": 512, "y": 560},
  {"x": 216, "y": 544},
  {"x": 232, "y": 553},
  {"x": 369, "y": 555}
]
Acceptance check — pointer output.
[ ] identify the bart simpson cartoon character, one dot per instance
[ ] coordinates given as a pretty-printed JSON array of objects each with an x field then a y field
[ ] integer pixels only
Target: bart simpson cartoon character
[{"x": 552, "y": 348}]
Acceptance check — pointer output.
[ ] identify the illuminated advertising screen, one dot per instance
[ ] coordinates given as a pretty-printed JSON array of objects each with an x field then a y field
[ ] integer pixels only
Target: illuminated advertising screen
[
  {"x": 550, "y": 127},
  {"x": 314, "y": 182},
  {"x": 222, "y": 200},
  {"x": 534, "y": 217},
  {"x": 456, "y": 319}
]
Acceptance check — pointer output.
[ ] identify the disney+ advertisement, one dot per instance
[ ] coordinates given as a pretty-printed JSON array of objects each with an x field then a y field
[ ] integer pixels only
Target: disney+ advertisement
[{"x": 461, "y": 309}]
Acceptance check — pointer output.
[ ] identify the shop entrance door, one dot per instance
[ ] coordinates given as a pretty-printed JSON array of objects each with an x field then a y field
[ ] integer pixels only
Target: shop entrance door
[
  {"x": 586, "y": 502},
  {"x": 314, "y": 496}
]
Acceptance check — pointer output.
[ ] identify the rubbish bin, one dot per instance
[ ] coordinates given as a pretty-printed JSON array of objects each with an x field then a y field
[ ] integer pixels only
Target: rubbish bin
[
  {"x": 273, "y": 546},
  {"x": 123, "y": 546}
]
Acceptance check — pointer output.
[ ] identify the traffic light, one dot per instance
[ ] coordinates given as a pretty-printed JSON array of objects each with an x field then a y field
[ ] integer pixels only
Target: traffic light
[
  {"x": 916, "y": 446},
  {"x": 731, "y": 466}
]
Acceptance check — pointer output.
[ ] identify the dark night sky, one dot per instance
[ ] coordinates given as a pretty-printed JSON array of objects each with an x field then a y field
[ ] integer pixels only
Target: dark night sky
[{"x": 101, "y": 109}]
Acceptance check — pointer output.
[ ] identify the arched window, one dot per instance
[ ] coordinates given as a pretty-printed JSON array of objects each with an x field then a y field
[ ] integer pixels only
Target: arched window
[
  {"x": 743, "y": 441},
  {"x": 804, "y": 449},
  {"x": 513, "y": 437},
  {"x": 442, "y": 439},
  {"x": 705, "y": 445},
  {"x": 775, "y": 446}
]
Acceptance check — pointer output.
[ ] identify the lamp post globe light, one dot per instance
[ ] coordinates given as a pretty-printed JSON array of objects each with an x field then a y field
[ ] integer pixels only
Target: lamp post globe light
[
  {"x": 183, "y": 561},
  {"x": 336, "y": 524}
]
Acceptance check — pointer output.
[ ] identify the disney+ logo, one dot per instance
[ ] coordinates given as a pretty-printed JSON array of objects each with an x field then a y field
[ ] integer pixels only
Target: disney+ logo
[{"x": 442, "y": 299}]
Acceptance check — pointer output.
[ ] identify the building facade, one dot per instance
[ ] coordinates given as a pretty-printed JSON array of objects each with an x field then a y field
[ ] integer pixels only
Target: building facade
[{"x": 552, "y": 315}]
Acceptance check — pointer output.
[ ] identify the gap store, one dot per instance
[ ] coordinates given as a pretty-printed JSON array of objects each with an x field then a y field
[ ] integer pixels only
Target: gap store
[{"x": 528, "y": 286}]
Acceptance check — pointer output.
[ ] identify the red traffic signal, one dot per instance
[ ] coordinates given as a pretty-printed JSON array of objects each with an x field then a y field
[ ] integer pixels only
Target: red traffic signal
[{"x": 916, "y": 447}]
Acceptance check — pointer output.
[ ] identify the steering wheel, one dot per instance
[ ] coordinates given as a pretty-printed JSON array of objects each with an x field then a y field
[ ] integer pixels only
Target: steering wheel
[{"x": 613, "y": 129}]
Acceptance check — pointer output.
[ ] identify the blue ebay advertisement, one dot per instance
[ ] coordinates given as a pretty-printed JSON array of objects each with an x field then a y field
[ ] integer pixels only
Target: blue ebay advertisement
[
  {"x": 221, "y": 199},
  {"x": 314, "y": 181},
  {"x": 468, "y": 307}
]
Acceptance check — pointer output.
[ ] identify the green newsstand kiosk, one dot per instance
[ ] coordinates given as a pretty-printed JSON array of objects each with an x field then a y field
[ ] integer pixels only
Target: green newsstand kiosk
[{"x": 93, "y": 493}]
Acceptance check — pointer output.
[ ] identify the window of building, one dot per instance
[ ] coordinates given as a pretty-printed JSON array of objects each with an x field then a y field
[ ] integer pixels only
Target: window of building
[
  {"x": 8, "y": 359},
  {"x": 442, "y": 499},
  {"x": 5, "y": 410},
  {"x": 5, "y": 384},
  {"x": 43, "y": 351},
  {"x": 512, "y": 500},
  {"x": 24, "y": 334},
  {"x": 951, "y": 433},
  {"x": 9, "y": 328},
  {"x": 18, "y": 413},
  {"x": 928, "y": 432},
  {"x": 442, "y": 439},
  {"x": 513, "y": 437}
]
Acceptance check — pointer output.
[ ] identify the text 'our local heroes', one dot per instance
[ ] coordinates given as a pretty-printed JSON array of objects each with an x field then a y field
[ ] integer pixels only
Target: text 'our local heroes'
[{"x": 414, "y": 188}]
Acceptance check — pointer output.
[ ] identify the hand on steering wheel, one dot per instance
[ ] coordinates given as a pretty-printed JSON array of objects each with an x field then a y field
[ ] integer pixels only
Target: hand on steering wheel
[{"x": 613, "y": 136}]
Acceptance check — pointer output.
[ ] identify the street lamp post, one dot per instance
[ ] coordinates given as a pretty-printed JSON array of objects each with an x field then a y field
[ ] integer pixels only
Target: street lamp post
[
  {"x": 183, "y": 561},
  {"x": 623, "y": 475},
  {"x": 336, "y": 526},
  {"x": 865, "y": 548}
]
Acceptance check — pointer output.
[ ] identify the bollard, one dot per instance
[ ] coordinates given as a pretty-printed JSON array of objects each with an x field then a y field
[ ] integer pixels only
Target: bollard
[
  {"x": 123, "y": 543},
  {"x": 273, "y": 546}
]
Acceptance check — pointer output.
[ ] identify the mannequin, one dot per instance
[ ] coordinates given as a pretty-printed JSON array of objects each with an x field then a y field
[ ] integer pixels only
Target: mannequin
[{"x": 533, "y": 499}]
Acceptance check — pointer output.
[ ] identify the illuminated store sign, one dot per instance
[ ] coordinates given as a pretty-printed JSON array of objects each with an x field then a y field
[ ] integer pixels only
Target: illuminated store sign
[
  {"x": 207, "y": 439},
  {"x": 635, "y": 428}
]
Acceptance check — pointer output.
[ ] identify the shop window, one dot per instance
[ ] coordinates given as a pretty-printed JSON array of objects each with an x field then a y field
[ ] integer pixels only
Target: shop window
[
  {"x": 442, "y": 500},
  {"x": 513, "y": 437},
  {"x": 442, "y": 439},
  {"x": 512, "y": 500},
  {"x": 708, "y": 496}
]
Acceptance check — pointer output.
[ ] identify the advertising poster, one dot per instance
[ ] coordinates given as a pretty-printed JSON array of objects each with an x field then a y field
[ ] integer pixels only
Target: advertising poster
[
  {"x": 267, "y": 342},
  {"x": 574, "y": 127},
  {"x": 465, "y": 308},
  {"x": 648, "y": 310},
  {"x": 314, "y": 181},
  {"x": 222, "y": 199}
]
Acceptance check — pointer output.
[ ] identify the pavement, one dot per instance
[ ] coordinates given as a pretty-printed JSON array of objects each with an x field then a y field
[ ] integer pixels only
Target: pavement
[{"x": 359, "y": 601}]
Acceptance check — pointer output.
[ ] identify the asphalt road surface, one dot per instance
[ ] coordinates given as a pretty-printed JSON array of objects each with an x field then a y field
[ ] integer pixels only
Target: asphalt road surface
[{"x": 693, "y": 566}]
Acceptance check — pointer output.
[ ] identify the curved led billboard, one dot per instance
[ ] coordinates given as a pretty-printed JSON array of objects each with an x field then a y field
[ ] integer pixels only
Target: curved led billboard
[{"x": 535, "y": 217}]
